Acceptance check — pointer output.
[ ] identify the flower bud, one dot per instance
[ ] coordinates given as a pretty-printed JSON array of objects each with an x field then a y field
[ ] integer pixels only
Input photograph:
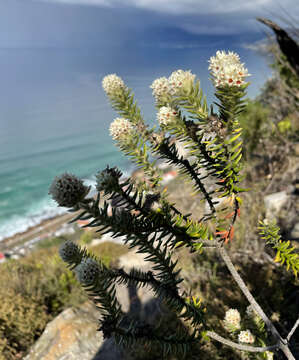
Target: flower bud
[
  {"x": 87, "y": 271},
  {"x": 67, "y": 190},
  {"x": 246, "y": 337}
]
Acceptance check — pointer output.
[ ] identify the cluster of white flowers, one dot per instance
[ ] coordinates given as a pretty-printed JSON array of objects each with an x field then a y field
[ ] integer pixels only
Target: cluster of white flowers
[
  {"x": 120, "y": 128},
  {"x": 181, "y": 80},
  {"x": 232, "y": 318},
  {"x": 246, "y": 337},
  {"x": 113, "y": 85},
  {"x": 166, "y": 115},
  {"x": 161, "y": 88},
  {"x": 227, "y": 69},
  {"x": 178, "y": 82}
]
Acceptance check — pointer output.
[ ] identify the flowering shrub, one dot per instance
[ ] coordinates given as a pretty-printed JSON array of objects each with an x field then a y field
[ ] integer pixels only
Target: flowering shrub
[{"x": 150, "y": 222}]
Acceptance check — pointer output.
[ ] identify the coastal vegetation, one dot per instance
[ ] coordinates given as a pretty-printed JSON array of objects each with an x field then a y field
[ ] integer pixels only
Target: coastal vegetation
[{"x": 42, "y": 287}]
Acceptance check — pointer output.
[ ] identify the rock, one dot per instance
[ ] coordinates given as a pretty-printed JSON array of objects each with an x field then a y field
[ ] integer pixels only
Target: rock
[
  {"x": 274, "y": 203},
  {"x": 71, "y": 335}
]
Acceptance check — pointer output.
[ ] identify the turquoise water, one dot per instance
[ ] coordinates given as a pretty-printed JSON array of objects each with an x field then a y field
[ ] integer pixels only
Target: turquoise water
[{"x": 54, "y": 117}]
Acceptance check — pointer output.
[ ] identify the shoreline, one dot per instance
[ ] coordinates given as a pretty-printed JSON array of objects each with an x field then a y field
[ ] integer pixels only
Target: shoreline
[{"x": 46, "y": 228}]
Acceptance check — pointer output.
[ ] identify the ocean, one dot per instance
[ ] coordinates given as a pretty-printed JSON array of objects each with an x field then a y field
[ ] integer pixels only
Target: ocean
[{"x": 55, "y": 117}]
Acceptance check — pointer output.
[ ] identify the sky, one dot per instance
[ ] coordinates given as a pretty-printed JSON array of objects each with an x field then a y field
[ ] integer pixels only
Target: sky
[
  {"x": 133, "y": 36},
  {"x": 114, "y": 23}
]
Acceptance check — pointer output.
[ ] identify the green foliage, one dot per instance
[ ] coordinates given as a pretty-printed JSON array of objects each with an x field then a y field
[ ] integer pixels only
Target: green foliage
[
  {"x": 49, "y": 242},
  {"x": 286, "y": 254},
  {"x": 285, "y": 125},
  {"x": 255, "y": 126},
  {"x": 22, "y": 320},
  {"x": 231, "y": 104},
  {"x": 40, "y": 290},
  {"x": 86, "y": 238},
  {"x": 193, "y": 102},
  {"x": 285, "y": 71}
]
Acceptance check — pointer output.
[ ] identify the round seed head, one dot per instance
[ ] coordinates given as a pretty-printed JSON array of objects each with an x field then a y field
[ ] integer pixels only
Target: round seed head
[
  {"x": 87, "y": 271},
  {"x": 108, "y": 179},
  {"x": 67, "y": 190},
  {"x": 69, "y": 252}
]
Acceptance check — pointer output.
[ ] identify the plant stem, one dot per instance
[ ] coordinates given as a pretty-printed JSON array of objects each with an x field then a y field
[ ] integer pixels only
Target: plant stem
[
  {"x": 230, "y": 343},
  {"x": 281, "y": 343},
  {"x": 293, "y": 330}
]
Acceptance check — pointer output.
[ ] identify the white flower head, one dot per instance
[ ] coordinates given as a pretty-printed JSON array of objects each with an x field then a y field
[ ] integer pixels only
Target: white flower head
[
  {"x": 246, "y": 337},
  {"x": 120, "y": 128},
  {"x": 113, "y": 85},
  {"x": 161, "y": 89},
  {"x": 270, "y": 355},
  {"x": 181, "y": 81},
  {"x": 227, "y": 69},
  {"x": 166, "y": 115},
  {"x": 232, "y": 319}
]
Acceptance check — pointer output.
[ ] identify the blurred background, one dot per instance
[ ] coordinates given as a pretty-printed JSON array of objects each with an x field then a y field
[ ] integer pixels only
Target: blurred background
[{"x": 54, "y": 116}]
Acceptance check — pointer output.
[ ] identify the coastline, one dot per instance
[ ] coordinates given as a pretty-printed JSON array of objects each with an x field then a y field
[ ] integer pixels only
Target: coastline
[{"x": 46, "y": 228}]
